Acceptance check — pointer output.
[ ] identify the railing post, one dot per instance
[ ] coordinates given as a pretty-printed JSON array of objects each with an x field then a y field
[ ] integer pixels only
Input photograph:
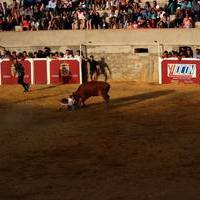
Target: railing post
[{"x": 48, "y": 71}]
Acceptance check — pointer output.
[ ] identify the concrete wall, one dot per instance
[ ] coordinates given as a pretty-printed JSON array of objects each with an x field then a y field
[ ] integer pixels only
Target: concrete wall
[
  {"x": 129, "y": 67},
  {"x": 116, "y": 46},
  {"x": 100, "y": 37}
]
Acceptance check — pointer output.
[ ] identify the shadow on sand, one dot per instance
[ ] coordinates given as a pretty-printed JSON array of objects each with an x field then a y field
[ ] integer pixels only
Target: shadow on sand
[
  {"x": 38, "y": 98},
  {"x": 114, "y": 103},
  {"x": 48, "y": 87},
  {"x": 123, "y": 101}
]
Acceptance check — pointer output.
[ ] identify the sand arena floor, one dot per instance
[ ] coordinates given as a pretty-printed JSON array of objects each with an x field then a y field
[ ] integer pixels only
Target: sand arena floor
[{"x": 144, "y": 146}]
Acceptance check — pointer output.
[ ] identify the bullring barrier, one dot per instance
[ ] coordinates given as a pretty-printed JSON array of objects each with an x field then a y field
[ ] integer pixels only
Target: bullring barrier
[{"x": 42, "y": 70}]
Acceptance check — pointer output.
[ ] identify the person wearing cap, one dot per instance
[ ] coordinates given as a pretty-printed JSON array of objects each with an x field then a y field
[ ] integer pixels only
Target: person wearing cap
[{"x": 18, "y": 70}]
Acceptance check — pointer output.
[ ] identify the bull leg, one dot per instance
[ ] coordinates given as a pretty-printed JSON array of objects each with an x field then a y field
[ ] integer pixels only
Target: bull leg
[
  {"x": 106, "y": 97},
  {"x": 83, "y": 101}
]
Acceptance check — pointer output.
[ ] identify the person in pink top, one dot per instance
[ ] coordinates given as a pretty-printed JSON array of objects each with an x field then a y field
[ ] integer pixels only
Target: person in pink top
[{"x": 187, "y": 22}]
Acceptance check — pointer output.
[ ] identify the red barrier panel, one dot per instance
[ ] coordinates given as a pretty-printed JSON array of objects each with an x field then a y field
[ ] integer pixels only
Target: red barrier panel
[
  {"x": 74, "y": 70},
  {"x": 186, "y": 71},
  {"x": 40, "y": 71},
  {"x": 43, "y": 71},
  {"x": 7, "y": 78}
]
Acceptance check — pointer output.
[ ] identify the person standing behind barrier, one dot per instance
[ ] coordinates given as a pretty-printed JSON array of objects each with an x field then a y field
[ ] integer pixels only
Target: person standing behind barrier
[
  {"x": 68, "y": 53},
  {"x": 93, "y": 68},
  {"x": 18, "y": 70}
]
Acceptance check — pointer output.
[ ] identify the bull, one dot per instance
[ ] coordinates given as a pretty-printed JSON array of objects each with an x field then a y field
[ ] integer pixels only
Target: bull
[{"x": 89, "y": 89}]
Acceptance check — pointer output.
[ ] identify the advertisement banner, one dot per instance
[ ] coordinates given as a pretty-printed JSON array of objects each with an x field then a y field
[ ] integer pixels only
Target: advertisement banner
[
  {"x": 6, "y": 72},
  {"x": 186, "y": 71}
]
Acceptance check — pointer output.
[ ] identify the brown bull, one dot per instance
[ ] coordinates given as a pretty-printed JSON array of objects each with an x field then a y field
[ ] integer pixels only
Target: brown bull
[{"x": 89, "y": 89}]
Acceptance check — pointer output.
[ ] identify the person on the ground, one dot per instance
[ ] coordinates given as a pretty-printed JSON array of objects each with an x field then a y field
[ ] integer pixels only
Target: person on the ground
[{"x": 68, "y": 103}]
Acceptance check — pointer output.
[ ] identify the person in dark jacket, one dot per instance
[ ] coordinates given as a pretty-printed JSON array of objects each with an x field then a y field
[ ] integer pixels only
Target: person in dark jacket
[
  {"x": 18, "y": 70},
  {"x": 93, "y": 68}
]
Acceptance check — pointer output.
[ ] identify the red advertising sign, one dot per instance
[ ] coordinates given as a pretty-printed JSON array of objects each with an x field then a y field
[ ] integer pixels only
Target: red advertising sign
[
  {"x": 43, "y": 71},
  {"x": 6, "y": 75},
  {"x": 71, "y": 65},
  {"x": 40, "y": 71},
  {"x": 185, "y": 70}
]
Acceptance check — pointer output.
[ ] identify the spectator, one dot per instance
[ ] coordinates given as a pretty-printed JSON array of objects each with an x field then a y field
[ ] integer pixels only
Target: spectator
[
  {"x": 25, "y": 23},
  {"x": 52, "y": 5},
  {"x": 47, "y": 51},
  {"x": 184, "y": 52},
  {"x": 88, "y": 18},
  {"x": 68, "y": 53},
  {"x": 187, "y": 22},
  {"x": 186, "y": 4},
  {"x": 189, "y": 53},
  {"x": 31, "y": 55},
  {"x": 81, "y": 19},
  {"x": 172, "y": 6},
  {"x": 197, "y": 54},
  {"x": 78, "y": 54},
  {"x": 196, "y": 10},
  {"x": 178, "y": 19},
  {"x": 56, "y": 55},
  {"x": 25, "y": 55},
  {"x": 99, "y": 14},
  {"x": 40, "y": 54},
  {"x": 34, "y": 25}
]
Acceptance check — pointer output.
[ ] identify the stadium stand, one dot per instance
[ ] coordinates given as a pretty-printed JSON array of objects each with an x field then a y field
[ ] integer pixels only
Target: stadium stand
[{"x": 100, "y": 14}]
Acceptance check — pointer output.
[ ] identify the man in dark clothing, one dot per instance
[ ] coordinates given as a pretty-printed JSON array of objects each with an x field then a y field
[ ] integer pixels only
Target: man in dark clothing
[
  {"x": 93, "y": 68},
  {"x": 18, "y": 69},
  {"x": 104, "y": 68},
  {"x": 85, "y": 70}
]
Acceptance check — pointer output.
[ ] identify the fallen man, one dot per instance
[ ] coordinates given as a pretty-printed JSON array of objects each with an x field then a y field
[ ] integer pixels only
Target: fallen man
[{"x": 68, "y": 103}]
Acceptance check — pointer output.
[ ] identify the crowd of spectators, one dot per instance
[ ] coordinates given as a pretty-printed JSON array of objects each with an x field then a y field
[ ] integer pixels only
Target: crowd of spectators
[
  {"x": 97, "y": 14},
  {"x": 184, "y": 52},
  {"x": 41, "y": 53}
]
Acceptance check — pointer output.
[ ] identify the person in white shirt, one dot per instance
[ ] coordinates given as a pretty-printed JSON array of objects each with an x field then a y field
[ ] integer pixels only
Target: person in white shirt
[
  {"x": 68, "y": 103},
  {"x": 68, "y": 54},
  {"x": 52, "y": 4},
  {"x": 197, "y": 54}
]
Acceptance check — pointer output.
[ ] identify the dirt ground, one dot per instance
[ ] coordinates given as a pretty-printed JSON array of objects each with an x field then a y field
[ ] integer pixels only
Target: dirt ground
[{"x": 144, "y": 146}]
